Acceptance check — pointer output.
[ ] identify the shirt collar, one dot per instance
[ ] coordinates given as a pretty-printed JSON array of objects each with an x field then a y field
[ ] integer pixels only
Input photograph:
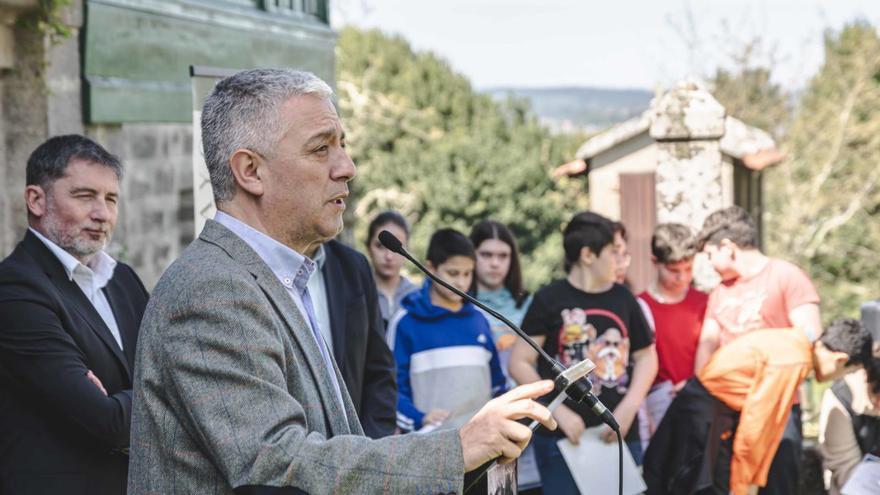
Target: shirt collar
[
  {"x": 292, "y": 268},
  {"x": 100, "y": 267},
  {"x": 320, "y": 257}
]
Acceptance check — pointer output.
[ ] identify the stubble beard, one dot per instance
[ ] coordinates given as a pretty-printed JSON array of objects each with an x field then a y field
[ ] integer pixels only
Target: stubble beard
[{"x": 71, "y": 239}]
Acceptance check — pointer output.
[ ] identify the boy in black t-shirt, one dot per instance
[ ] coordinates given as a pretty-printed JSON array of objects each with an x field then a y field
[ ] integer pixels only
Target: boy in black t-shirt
[{"x": 587, "y": 315}]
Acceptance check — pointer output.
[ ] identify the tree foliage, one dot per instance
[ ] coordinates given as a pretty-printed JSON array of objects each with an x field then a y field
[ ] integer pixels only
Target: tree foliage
[
  {"x": 748, "y": 94},
  {"x": 823, "y": 201},
  {"x": 431, "y": 147}
]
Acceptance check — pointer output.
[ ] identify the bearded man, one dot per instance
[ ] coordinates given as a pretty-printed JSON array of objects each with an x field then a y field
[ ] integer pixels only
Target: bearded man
[{"x": 69, "y": 318}]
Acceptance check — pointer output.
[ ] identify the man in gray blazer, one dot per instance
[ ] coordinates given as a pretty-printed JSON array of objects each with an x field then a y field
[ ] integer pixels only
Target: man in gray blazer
[{"x": 235, "y": 390}]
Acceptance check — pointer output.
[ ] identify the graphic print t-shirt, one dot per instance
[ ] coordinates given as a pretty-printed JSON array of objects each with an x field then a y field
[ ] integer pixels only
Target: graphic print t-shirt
[
  {"x": 763, "y": 300},
  {"x": 606, "y": 328}
]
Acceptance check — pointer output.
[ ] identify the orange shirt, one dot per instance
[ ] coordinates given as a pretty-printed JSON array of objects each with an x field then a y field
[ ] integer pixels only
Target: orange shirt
[{"x": 758, "y": 375}]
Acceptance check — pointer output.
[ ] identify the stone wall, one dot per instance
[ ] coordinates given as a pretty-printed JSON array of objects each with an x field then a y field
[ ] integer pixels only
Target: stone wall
[
  {"x": 155, "y": 219},
  {"x": 40, "y": 96}
]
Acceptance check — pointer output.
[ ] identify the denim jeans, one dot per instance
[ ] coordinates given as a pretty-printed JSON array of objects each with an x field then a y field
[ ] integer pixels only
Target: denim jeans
[{"x": 555, "y": 476}]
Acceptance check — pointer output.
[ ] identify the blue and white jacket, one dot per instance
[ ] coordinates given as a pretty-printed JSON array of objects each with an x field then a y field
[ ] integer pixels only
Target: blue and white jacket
[{"x": 445, "y": 360}]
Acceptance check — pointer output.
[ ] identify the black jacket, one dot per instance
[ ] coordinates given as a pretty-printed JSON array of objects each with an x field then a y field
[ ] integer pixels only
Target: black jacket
[
  {"x": 691, "y": 450},
  {"x": 359, "y": 347},
  {"x": 58, "y": 432}
]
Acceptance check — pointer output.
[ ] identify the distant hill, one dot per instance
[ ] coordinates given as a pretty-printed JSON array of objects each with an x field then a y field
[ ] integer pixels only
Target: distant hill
[{"x": 590, "y": 109}]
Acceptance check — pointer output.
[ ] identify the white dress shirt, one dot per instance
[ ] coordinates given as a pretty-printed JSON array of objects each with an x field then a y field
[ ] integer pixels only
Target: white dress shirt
[{"x": 90, "y": 279}]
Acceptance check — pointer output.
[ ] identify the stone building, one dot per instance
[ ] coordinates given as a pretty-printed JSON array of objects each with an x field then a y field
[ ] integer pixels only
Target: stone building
[
  {"x": 122, "y": 77},
  {"x": 680, "y": 160}
]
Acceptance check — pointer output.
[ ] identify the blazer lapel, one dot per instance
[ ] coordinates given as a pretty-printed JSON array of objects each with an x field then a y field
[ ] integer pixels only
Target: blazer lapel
[
  {"x": 299, "y": 329},
  {"x": 336, "y": 301},
  {"x": 128, "y": 327},
  {"x": 74, "y": 298}
]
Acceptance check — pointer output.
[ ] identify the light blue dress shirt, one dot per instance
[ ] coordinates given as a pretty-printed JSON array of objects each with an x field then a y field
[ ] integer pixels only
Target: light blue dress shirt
[{"x": 318, "y": 291}]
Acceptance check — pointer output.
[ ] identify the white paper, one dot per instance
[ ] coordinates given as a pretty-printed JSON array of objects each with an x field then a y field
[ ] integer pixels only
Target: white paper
[
  {"x": 865, "y": 478},
  {"x": 593, "y": 465},
  {"x": 501, "y": 479}
]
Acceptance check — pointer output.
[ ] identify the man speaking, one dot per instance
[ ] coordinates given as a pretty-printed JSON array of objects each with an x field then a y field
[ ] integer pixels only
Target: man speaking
[{"x": 235, "y": 389}]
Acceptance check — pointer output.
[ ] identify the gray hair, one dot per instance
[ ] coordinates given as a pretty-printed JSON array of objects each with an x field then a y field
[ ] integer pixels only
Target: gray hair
[{"x": 243, "y": 111}]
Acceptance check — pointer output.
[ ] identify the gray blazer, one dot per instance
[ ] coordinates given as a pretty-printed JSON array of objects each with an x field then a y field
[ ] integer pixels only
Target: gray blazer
[{"x": 231, "y": 395}]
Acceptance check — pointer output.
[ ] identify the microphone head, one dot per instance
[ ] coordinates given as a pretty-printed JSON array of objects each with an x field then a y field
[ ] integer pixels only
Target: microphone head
[{"x": 390, "y": 242}]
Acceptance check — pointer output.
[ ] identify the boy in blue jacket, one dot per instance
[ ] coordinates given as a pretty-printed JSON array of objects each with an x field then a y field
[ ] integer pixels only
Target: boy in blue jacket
[{"x": 447, "y": 365}]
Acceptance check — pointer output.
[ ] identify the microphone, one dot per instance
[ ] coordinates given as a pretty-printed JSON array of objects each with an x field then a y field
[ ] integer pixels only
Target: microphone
[{"x": 577, "y": 390}]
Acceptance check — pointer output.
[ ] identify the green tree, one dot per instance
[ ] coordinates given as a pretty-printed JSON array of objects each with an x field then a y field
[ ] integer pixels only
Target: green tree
[
  {"x": 748, "y": 94},
  {"x": 431, "y": 147},
  {"x": 823, "y": 202}
]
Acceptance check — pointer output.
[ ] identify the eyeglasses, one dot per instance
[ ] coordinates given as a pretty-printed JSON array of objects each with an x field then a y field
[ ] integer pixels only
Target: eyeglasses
[{"x": 623, "y": 258}]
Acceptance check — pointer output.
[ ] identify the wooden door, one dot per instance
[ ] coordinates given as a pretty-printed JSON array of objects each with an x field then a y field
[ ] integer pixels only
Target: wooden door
[{"x": 638, "y": 212}]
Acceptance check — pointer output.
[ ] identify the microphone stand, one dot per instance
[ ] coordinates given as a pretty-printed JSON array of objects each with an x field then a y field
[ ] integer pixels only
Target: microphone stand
[{"x": 578, "y": 390}]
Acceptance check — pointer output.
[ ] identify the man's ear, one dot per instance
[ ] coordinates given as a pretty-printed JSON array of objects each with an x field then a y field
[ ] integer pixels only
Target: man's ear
[
  {"x": 587, "y": 256},
  {"x": 430, "y": 266},
  {"x": 248, "y": 169},
  {"x": 840, "y": 359},
  {"x": 35, "y": 199}
]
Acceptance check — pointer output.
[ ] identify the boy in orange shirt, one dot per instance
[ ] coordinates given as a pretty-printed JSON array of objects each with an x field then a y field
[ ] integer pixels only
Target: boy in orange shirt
[{"x": 721, "y": 432}]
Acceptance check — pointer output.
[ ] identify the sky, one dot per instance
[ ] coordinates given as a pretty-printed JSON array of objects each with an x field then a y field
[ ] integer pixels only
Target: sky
[{"x": 609, "y": 43}]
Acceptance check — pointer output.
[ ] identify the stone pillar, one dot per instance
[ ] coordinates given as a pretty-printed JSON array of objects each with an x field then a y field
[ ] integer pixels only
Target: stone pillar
[
  {"x": 687, "y": 123},
  {"x": 39, "y": 97}
]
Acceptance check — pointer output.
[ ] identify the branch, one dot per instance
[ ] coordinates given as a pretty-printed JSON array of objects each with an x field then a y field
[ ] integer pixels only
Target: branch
[
  {"x": 840, "y": 219},
  {"x": 845, "y": 114}
]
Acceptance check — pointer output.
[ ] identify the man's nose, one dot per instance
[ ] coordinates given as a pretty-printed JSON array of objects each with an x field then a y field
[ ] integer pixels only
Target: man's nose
[
  {"x": 100, "y": 211},
  {"x": 345, "y": 170}
]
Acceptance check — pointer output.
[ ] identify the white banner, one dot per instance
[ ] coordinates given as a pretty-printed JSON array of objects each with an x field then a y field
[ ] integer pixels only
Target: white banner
[{"x": 203, "y": 81}]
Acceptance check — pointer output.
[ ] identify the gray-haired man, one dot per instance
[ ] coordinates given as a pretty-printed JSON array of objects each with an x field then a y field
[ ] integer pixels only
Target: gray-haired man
[{"x": 236, "y": 391}]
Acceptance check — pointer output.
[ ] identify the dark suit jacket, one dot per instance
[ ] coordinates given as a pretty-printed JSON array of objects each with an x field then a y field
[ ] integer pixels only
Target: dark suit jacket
[
  {"x": 359, "y": 347},
  {"x": 58, "y": 432}
]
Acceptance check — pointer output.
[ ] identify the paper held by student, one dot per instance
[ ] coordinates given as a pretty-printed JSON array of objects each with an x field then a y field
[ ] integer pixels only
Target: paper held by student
[
  {"x": 865, "y": 478},
  {"x": 593, "y": 465}
]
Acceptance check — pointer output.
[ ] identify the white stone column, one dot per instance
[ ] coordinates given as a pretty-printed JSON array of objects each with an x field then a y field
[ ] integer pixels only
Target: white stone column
[{"x": 687, "y": 123}]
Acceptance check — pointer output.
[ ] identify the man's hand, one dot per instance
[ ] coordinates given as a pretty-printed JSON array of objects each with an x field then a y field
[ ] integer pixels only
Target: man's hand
[
  {"x": 96, "y": 382},
  {"x": 625, "y": 413},
  {"x": 494, "y": 433},
  {"x": 435, "y": 416},
  {"x": 570, "y": 422}
]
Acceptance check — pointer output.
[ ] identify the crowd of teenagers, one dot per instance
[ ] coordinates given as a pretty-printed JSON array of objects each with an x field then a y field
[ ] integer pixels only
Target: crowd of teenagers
[{"x": 705, "y": 386}]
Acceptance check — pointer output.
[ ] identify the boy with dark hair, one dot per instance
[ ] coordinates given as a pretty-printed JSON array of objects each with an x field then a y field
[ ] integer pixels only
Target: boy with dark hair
[
  {"x": 587, "y": 316},
  {"x": 447, "y": 364},
  {"x": 746, "y": 392},
  {"x": 676, "y": 309},
  {"x": 755, "y": 292}
]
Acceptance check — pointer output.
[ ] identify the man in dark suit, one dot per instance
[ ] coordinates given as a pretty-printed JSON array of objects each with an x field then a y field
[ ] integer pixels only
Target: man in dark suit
[
  {"x": 356, "y": 334},
  {"x": 69, "y": 318}
]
